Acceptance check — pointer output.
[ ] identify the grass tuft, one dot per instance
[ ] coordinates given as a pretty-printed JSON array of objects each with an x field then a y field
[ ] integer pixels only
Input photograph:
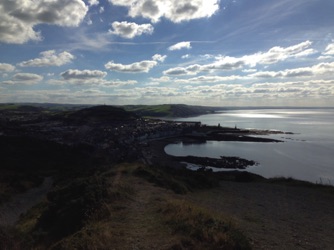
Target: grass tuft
[{"x": 200, "y": 229}]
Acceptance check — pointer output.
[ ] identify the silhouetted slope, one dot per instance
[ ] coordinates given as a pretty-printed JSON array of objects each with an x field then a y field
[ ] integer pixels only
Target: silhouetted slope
[
  {"x": 170, "y": 110},
  {"x": 101, "y": 114}
]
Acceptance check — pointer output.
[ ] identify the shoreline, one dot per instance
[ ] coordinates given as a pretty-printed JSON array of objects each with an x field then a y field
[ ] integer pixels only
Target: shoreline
[{"x": 154, "y": 151}]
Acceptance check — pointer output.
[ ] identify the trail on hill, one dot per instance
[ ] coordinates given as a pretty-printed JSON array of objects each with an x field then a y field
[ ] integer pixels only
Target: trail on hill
[{"x": 137, "y": 221}]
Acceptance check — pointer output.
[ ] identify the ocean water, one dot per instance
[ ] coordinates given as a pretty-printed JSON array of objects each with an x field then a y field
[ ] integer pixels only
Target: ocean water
[{"x": 308, "y": 154}]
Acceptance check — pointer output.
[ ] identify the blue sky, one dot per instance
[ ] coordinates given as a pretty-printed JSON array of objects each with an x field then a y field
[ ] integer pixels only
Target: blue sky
[{"x": 202, "y": 52}]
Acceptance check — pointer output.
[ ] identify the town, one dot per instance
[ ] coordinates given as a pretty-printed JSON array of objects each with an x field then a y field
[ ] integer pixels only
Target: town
[{"x": 120, "y": 134}]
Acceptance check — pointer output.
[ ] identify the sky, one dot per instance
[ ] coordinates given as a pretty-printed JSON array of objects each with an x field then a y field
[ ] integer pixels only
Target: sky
[{"x": 196, "y": 52}]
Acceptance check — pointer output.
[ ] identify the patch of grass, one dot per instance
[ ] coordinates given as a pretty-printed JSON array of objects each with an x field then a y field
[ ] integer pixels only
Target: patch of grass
[
  {"x": 151, "y": 110},
  {"x": 67, "y": 209},
  {"x": 161, "y": 178},
  {"x": 9, "y": 106},
  {"x": 200, "y": 229},
  {"x": 180, "y": 181},
  {"x": 74, "y": 206},
  {"x": 299, "y": 183}
]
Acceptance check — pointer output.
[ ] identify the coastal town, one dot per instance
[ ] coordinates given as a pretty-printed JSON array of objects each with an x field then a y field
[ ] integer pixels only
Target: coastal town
[{"x": 120, "y": 134}]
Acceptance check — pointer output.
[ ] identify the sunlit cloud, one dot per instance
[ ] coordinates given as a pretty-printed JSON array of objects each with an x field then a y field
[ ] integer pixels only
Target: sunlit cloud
[
  {"x": 173, "y": 10},
  {"x": 136, "y": 67},
  {"x": 24, "y": 79},
  {"x": 5, "y": 67},
  {"x": 130, "y": 30},
  {"x": 180, "y": 45},
  {"x": 49, "y": 58},
  {"x": 18, "y": 18}
]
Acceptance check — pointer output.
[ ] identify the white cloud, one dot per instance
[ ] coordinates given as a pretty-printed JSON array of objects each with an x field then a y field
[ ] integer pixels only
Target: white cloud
[
  {"x": 305, "y": 53},
  {"x": 224, "y": 63},
  {"x": 5, "y": 67},
  {"x": 173, "y": 10},
  {"x": 181, "y": 45},
  {"x": 137, "y": 67},
  {"x": 130, "y": 30},
  {"x": 75, "y": 74},
  {"x": 228, "y": 63},
  {"x": 249, "y": 70},
  {"x": 210, "y": 79},
  {"x": 185, "y": 56},
  {"x": 24, "y": 79},
  {"x": 27, "y": 77},
  {"x": 190, "y": 70},
  {"x": 89, "y": 77},
  {"x": 178, "y": 71},
  {"x": 323, "y": 58},
  {"x": 321, "y": 69},
  {"x": 93, "y": 2},
  {"x": 18, "y": 18},
  {"x": 160, "y": 79},
  {"x": 118, "y": 83},
  {"x": 329, "y": 49},
  {"x": 277, "y": 54},
  {"x": 101, "y": 10},
  {"x": 89, "y": 21},
  {"x": 49, "y": 58},
  {"x": 282, "y": 92},
  {"x": 159, "y": 58}
]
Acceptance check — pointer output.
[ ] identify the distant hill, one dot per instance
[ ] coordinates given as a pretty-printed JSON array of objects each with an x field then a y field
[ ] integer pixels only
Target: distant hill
[
  {"x": 36, "y": 107},
  {"x": 77, "y": 112},
  {"x": 170, "y": 110},
  {"x": 101, "y": 114}
]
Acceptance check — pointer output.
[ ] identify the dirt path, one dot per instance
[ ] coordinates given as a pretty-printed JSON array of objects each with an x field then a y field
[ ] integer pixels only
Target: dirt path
[
  {"x": 137, "y": 220},
  {"x": 275, "y": 216}
]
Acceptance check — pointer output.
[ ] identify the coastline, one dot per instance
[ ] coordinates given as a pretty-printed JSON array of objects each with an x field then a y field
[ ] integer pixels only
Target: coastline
[{"x": 154, "y": 151}]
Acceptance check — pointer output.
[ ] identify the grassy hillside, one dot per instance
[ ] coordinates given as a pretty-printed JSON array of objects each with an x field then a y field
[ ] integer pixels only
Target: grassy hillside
[
  {"x": 127, "y": 206},
  {"x": 163, "y": 110},
  {"x": 131, "y": 205},
  {"x": 41, "y": 106},
  {"x": 170, "y": 110},
  {"x": 101, "y": 114}
]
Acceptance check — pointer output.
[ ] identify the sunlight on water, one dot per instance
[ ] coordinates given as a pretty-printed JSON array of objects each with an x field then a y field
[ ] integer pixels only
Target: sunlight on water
[{"x": 247, "y": 115}]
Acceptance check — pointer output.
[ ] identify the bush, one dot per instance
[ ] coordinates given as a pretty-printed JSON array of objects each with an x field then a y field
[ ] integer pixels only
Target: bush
[{"x": 71, "y": 205}]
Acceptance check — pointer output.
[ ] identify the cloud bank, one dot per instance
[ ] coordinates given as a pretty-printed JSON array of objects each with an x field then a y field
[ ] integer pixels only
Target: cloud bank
[
  {"x": 18, "y": 18},
  {"x": 173, "y": 10}
]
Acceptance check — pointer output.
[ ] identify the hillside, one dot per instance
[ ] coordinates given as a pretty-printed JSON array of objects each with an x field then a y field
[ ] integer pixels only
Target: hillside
[
  {"x": 170, "y": 110},
  {"x": 106, "y": 111},
  {"x": 101, "y": 114},
  {"x": 135, "y": 206}
]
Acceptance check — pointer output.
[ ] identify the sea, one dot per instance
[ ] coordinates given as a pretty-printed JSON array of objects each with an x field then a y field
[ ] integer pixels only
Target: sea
[{"x": 307, "y": 154}]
